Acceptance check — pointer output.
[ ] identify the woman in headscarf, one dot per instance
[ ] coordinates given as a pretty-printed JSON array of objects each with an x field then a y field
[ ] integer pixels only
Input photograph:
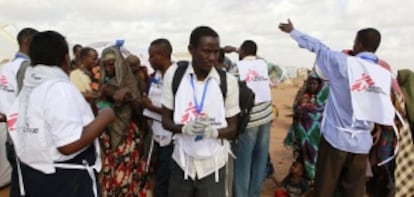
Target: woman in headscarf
[
  {"x": 304, "y": 134},
  {"x": 123, "y": 172}
]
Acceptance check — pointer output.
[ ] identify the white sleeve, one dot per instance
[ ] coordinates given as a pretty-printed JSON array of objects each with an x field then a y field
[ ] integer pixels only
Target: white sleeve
[{"x": 66, "y": 113}]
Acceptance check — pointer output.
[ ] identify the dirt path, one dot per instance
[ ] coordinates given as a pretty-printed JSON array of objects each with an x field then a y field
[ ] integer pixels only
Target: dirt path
[{"x": 281, "y": 156}]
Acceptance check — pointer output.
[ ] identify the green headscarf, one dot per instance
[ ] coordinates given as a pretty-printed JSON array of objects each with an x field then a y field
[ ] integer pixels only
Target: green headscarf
[{"x": 406, "y": 81}]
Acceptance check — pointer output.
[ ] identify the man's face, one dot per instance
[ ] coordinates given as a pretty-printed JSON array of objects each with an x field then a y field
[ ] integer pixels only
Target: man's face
[
  {"x": 90, "y": 60},
  {"x": 206, "y": 53},
  {"x": 155, "y": 57}
]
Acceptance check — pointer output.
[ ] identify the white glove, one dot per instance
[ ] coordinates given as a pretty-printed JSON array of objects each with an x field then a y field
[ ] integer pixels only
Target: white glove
[
  {"x": 194, "y": 127},
  {"x": 210, "y": 132}
]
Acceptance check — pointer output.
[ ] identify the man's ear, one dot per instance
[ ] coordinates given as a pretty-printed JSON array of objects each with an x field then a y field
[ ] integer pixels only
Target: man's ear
[
  {"x": 66, "y": 64},
  {"x": 190, "y": 49}
]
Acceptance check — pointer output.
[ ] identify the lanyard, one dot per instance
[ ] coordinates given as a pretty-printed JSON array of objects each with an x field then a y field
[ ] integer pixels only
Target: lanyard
[{"x": 199, "y": 106}]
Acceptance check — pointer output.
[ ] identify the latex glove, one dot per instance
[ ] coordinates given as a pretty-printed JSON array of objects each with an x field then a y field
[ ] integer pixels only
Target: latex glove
[
  {"x": 210, "y": 132},
  {"x": 193, "y": 127}
]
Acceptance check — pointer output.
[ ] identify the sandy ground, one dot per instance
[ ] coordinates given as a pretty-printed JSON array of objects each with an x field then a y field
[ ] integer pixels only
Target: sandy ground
[{"x": 281, "y": 156}]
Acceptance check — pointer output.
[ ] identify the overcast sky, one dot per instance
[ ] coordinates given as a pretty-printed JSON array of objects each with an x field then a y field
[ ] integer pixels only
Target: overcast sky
[{"x": 140, "y": 21}]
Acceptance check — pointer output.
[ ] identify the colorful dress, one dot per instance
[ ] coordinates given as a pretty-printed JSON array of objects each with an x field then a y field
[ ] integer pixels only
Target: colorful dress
[
  {"x": 304, "y": 134},
  {"x": 123, "y": 171}
]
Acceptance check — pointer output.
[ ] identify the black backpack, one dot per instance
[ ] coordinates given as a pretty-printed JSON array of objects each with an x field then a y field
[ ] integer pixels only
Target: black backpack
[{"x": 246, "y": 95}]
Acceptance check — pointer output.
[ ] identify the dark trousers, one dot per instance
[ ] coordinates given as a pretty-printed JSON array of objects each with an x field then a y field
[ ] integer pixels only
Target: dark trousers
[
  {"x": 339, "y": 171},
  {"x": 63, "y": 183},
  {"x": 205, "y": 187},
  {"x": 163, "y": 169}
]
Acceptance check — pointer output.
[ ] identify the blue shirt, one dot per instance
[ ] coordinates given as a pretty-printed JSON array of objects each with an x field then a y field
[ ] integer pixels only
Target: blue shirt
[{"x": 338, "y": 111}]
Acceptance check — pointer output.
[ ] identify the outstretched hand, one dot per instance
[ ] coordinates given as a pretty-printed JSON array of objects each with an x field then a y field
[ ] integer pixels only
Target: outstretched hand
[{"x": 286, "y": 27}]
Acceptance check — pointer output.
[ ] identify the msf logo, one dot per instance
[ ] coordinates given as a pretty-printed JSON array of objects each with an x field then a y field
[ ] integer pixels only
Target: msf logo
[
  {"x": 362, "y": 83},
  {"x": 190, "y": 113},
  {"x": 251, "y": 75},
  {"x": 3, "y": 80},
  {"x": 11, "y": 122}
]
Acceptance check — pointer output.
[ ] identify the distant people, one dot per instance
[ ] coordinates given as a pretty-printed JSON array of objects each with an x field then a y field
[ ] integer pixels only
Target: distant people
[
  {"x": 123, "y": 169},
  {"x": 304, "y": 134},
  {"x": 55, "y": 137},
  {"x": 82, "y": 76},
  {"x": 75, "y": 63},
  {"x": 201, "y": 119},
  {"x": 350, "y": 112},
  {"x": 160, "y": 51},
  {"x": 11, "y": 82},
  {"x": 251, "y": 147}
]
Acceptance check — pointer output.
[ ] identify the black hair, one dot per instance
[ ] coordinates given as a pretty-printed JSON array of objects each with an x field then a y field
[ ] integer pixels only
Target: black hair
[
  {"x": 369, "y": 38},
  {"x": 75, "y": 47},
  {"x": 48, "y": 48},
  {"x": 85, "y": 51},
  {"x": 164, "y": 44},
  {"x": 199, "y": 32},
  {"x": 249, "y": 47},
  {"x": 26, "y": 33}
]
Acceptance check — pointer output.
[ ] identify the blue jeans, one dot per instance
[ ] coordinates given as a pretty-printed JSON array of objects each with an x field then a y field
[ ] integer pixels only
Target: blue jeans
[{"x": 251, "y": 150}]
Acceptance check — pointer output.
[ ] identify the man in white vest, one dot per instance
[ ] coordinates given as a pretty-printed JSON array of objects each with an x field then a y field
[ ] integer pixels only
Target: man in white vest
[
  {"x": 252, "y": 146},
  {"x": 359, "y": 96},
  {"x": 11, "y": 80},
  {"x": 160, "y": 51},
  {"x": 53, "y": 129},
  {"x": 201, "y": 119}
]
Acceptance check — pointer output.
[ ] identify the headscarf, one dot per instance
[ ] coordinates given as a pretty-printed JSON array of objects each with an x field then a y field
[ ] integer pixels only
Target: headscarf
[
  {"x": 123, "y": 78},
  {"x": 405, "y": 79}
]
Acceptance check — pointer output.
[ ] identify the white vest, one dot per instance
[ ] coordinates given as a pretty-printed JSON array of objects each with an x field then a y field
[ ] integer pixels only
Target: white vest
[
  {"x": 188, "y": 146},
  {"x": 255, "y": 74},
  {"x": 370, "y": 86},
  {"x": 162, "y": 136},
  {"x": 34, "y": 145},
  {"x": 8, "y": 84}
]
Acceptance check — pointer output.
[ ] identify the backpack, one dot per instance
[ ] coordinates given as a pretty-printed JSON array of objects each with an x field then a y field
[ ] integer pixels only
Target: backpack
[{"x": 246, "y": 95}]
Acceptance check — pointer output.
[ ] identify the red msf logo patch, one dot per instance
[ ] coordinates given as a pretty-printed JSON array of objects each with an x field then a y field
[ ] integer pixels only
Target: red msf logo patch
[
  {"x": 363, "y": 83},
  {"x": 190, "y": 113},
  {"x": 251, "y": 75},
  {"x": 3, "y": 80},
  {"x": 11, "y": 122}
]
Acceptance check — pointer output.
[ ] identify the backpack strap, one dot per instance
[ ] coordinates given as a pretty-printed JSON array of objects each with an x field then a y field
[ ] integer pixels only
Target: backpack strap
[
  {"x": 223, "y": 82},
  {"x": 178, "y": 75},
  {"x": 182, "y": 67}
]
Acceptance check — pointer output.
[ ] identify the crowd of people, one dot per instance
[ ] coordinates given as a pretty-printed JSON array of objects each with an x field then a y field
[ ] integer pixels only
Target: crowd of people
[{"x": 101, "y": 125}]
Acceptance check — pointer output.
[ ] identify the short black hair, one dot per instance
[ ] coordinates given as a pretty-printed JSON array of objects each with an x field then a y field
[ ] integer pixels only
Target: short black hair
[
  {"x": 249, "y": 47},
  {"x": 199, "y": 32},
  {"x": 85, "y": 51},
  {"x": 369, "y": 38},
  {"x": 164, "y": 44},
  {"x": 75, "y": 47},
  {"x": 25, "y": 33},
  {"x": 48, "y": 48}
]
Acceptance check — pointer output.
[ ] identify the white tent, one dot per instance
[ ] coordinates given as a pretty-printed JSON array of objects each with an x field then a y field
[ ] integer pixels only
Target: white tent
[{"x": 8, "y": 43}]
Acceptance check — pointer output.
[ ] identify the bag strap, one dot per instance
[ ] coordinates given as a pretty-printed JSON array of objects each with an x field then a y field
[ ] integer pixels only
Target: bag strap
[
  {"x": 182, "y": 67},
  {"x": 178, "y": 75}
]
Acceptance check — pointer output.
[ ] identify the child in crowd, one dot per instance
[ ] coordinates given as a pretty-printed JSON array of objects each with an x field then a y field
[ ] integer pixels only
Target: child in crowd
[{"x": 295, "y": 183}]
